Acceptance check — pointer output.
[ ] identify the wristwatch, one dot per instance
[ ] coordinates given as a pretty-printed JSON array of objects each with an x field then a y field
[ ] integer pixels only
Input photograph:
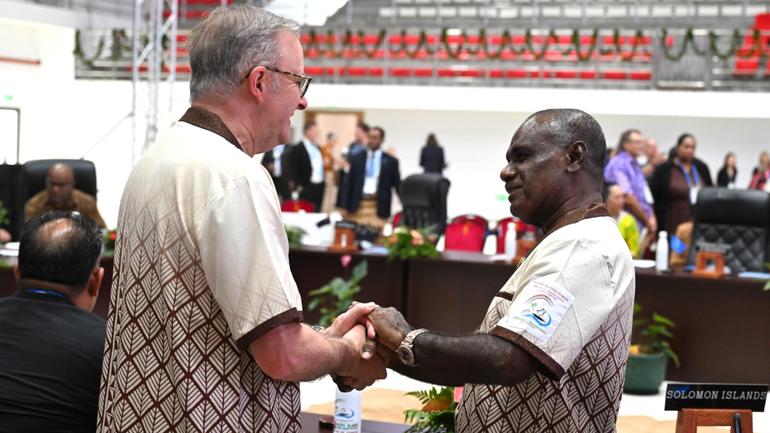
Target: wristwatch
[{"x": 405, "y": 352}]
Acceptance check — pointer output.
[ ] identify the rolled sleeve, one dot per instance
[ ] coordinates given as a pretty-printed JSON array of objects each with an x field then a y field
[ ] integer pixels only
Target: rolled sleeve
[
  {"x": 244, "y": 255},
  {"x": 560, "y": 308}
]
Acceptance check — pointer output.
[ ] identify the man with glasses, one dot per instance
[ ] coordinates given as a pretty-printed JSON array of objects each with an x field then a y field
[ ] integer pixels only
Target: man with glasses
[{"x": 205, "y": 325}]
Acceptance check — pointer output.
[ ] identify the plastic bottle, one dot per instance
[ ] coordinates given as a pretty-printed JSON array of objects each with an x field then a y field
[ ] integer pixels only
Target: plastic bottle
[
  {"x": 347, "y": 412},
  {"x": 661, "y": 252},
  {"x": 510, "y": 240}
]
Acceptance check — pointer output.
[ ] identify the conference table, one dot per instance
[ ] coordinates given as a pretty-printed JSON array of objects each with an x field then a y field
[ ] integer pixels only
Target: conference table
[{"x": 722, "y": 332}]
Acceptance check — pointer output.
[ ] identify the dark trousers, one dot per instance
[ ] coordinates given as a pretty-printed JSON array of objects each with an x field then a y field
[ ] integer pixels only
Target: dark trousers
[{"x": 314, "y": 193}]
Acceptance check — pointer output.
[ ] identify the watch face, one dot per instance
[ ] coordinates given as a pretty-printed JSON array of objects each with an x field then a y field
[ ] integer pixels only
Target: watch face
[{"x": 405, "y": 355}]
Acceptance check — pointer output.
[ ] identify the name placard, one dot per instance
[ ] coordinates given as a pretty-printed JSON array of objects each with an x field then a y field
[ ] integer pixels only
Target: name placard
[{"x": 715, "y": 396}]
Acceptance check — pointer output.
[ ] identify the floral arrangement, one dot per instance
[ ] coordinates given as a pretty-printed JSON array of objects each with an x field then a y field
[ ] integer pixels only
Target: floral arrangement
[
  {"x": 438, "y": 411},
  {"x": 110, "y": 236},
  {"x": 407, "y": 243},
  {"x": 295, "y": 235},
  {"x": 336, "y": 296}
]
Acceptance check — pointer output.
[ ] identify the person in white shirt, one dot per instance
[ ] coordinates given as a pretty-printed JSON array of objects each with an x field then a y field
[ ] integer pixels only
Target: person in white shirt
[
  {"x": 204, "y": 331},
  {"x": 550, "y": 353}
]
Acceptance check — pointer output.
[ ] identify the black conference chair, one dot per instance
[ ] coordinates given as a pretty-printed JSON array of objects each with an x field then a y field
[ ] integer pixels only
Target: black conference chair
[
  {"x": 737, "y": 219},
  {"x": 32, "y": 180},
  {"x": 424, "y": 200}
]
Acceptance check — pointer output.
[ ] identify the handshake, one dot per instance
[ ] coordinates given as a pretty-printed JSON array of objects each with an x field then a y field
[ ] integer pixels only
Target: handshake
[{"x": 372, "y": 334}]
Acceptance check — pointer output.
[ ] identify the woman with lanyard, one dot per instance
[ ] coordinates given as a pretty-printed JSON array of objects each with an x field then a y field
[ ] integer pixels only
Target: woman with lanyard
[{"x": 675, "y": 185}]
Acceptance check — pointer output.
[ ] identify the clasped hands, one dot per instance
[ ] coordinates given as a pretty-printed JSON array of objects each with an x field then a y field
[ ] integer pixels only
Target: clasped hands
[{"x": 373, "y": 334}]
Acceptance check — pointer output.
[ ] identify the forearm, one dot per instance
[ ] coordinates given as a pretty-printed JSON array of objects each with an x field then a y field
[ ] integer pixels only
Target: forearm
[
  {"x": 633, "y": 206},
  {"x": 301, "y": 354},
  {"x": 457, "y": 360}
]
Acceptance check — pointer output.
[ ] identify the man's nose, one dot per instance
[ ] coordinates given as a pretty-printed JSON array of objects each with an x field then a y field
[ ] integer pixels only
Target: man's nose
[{"x": 302, "y": 103}]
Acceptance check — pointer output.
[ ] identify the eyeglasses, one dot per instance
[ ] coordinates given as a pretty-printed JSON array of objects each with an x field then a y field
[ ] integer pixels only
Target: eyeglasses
[{"x": 302, "y": 80}]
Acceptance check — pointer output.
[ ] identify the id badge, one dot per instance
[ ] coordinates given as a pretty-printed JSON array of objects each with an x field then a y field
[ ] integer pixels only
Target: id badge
[
  {"x": 370, "y": 185},
  {"x": 648, "y": 195},
  {"x": 694, "y": 194}
]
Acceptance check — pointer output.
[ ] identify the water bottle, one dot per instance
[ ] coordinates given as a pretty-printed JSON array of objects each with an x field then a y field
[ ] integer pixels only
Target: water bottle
[
  {"x": 510, "y": 240},
  {"x": 661, "y": 252},
  {"x": 347, "y": 412}
]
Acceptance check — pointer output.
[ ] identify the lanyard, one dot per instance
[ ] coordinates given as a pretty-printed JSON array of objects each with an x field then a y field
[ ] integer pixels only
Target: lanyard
[
  {"x": 45, "y": 292},
  {"x": 687, "y": 175}
]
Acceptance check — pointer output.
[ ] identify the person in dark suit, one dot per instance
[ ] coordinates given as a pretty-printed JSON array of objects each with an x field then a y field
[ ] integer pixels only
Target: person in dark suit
[
  {"x": 304, "y": 168},
  {"x": 360, "y": 143},
  {"x": 675, "y": 185},
  {"x": 432, "y": 156},
  {"x": 728, "y": 172},
  {"x": 367, "y": 191},
  {"x": 274, "y": 160}
]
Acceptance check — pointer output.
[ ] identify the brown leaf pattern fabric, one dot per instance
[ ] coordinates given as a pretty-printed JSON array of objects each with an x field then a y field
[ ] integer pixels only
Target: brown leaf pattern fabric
[
  {"x": 171, "y": 362},
  {"x": 586, "y": 399}
]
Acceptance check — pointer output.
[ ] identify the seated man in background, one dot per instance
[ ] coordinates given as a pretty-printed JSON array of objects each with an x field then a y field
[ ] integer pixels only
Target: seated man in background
[
  {"x": 616, "y": 201},
  {"x": 60, "y": 194},
  {"x": 550, "y": 354},
  {"x": 51, "y": 345}
]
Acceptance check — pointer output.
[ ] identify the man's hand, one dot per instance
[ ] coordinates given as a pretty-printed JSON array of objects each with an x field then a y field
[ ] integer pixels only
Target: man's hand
[
  {"x": 390, "y": 325},
  {"x": 357, "y": 314},
  {"x": 652, "y": 224},
  {"x": 364, "y": 372}
]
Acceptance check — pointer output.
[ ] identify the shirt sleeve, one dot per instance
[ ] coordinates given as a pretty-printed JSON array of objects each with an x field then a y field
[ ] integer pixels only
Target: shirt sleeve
[
  {"x": 244, "y": 254},
  {"x": 556, "y": 311},
  {"x": 621, "y": 178}
]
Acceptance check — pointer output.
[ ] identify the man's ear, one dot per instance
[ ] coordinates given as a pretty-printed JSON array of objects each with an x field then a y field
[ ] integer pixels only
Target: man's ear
[
  {"x": 577, "y": 153},
  {"x": 257, "y": 83}
]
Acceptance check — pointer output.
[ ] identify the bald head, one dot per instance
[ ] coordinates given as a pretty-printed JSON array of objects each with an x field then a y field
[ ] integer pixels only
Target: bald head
[
  {"x": 59, "y": 183},
  {"x": 562, "y": 127},
  {"x": 555, "y": 162},
  {"x": 59, "y": 247}
]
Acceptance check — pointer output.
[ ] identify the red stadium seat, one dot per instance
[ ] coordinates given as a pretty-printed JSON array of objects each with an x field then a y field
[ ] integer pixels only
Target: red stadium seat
[
  {"x": 297, "y": 206},
  {"x": 466, "y": 233}
]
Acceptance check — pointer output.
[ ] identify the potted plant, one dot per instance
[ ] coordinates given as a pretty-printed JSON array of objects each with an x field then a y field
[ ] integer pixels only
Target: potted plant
[
  {"x": 648, "y": 359},
  {"x": 437, "y": 414},
  {"x": 336, "y": 296}
]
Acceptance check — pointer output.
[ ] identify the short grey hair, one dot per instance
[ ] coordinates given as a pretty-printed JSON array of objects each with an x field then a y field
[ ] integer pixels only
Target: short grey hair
[{"x": 231, "y": 41}]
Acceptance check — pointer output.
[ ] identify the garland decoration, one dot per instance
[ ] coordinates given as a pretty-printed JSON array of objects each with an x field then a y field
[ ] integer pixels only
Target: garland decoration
[
  {"x": 577, "y": 46},
  {"x": 733, "y": 45},
  {"x": 78, "y": 52}
]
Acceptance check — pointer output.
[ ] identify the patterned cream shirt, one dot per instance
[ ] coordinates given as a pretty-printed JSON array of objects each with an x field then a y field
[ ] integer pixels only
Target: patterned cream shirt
[
  {"x": 569, "y": 306},
  {"x": 201, "y": 271}
]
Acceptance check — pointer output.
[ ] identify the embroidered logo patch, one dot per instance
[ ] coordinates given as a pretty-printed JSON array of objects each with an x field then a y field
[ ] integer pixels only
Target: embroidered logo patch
[{"x": 538, "y": 309}]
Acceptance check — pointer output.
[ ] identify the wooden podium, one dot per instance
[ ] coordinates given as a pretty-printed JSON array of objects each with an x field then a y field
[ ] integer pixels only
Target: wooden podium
[
  {"x": 709, "y": 264},
  {"x": 344, "y": 238},
  {"x": 688, "y": 420}
]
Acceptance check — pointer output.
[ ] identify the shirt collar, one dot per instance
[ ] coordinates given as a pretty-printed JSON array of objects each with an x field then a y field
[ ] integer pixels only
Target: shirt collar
[
  {"x": 43, "y": 295},
  {"x": 209, "y": 121}
]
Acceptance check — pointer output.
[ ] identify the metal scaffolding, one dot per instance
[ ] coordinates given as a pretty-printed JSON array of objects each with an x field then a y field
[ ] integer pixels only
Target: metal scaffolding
[{"x": 149, "y": 22}]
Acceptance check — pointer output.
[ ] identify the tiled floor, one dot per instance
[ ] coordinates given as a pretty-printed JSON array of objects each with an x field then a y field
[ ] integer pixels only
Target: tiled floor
[{"x": 322, "y": 391}]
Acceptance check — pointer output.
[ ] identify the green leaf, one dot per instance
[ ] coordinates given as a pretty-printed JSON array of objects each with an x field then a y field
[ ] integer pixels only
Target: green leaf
[
  {"x": 657, "y": 318},
  {"x": 314, "y": 303}
]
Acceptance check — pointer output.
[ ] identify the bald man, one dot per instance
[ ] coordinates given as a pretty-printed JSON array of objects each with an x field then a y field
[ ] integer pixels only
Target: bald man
[
  {"x": 60, "y": 194},
  {"x": 51, "y": 345},
  {"x": 551, "y": 351}
]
